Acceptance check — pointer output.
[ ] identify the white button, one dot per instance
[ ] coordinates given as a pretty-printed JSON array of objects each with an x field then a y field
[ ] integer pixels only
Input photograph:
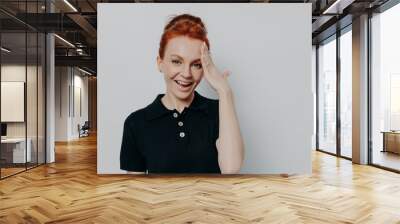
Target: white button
[
  {"x": 180, "y": 123},
  {"x": 175, "y": 115},
  {"x": 182, "y": 134}
]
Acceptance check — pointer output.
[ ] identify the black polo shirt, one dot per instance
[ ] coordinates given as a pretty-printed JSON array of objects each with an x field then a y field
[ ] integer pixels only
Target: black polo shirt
[{"x": 160, "y": 140}]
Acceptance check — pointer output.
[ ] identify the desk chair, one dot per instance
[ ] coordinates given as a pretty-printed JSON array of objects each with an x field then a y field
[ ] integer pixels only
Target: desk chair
[{"x": 84, "y": 130}]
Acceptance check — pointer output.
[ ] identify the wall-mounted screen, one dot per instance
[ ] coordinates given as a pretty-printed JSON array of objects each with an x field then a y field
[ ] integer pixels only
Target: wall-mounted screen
[{"x": 12, "y": 101}]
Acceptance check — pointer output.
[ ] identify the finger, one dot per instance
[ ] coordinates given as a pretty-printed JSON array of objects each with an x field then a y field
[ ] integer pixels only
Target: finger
[
  {"x": 202, "y": 49},
  {"x": 226, "y": 73},
  {"x": 205, "y": 61},
  {"x": 206, "y": 52}
]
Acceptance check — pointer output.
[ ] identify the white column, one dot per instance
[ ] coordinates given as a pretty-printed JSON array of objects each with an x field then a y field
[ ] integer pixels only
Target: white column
[
  {"x": 50, "y": 79},
  {"x": 50, "y": 91},
  {"x": 360, "y": 90}
]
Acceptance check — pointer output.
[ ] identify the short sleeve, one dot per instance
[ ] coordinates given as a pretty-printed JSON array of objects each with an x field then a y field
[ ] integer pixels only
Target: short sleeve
[{"x": 131, "y": 159}]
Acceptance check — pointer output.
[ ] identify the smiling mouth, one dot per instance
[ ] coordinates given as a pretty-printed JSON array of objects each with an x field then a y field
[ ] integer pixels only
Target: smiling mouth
[{"x": 183, "y": 83}]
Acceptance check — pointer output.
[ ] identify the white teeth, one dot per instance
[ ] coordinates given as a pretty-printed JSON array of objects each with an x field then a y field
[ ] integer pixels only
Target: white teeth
[{"x": 183, "y": 83}]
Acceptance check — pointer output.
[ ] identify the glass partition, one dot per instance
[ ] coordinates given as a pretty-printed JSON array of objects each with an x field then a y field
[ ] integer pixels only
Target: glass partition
[
  {"x": 346, "y": 94},
  {"x": 385, "y": 89},
  {"x": 22, "y": 101},
  {"x": 13, "y": 109},
  {"x": 327, "y": 96}
]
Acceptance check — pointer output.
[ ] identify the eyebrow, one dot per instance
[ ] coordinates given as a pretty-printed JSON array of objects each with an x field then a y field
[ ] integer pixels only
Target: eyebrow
[{"x": 195, "y": 60}]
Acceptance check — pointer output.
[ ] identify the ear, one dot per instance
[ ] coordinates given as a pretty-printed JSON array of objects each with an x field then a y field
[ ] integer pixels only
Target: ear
[{"x": 159, "y": 63}]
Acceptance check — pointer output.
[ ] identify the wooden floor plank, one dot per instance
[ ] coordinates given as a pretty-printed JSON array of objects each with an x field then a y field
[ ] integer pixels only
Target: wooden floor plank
[{"x": 70, "y": 191}]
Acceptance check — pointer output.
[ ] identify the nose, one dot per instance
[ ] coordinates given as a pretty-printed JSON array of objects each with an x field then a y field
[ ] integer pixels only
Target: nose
[{"x": 186, "y": 73}]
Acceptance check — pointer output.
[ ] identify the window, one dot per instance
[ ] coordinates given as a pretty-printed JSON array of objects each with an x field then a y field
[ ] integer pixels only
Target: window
[
  {"x": 385, "y": 89},
  {"x": 346, "y": 93},
  {"x": 327, "y": 96}
]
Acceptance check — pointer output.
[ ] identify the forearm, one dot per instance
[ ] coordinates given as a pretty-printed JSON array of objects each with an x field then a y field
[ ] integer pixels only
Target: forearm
[{"x": 230, "y": 143}]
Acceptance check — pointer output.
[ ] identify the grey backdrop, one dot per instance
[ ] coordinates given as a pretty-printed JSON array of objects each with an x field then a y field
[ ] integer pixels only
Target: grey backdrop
[{"x": 266, "y": 46}]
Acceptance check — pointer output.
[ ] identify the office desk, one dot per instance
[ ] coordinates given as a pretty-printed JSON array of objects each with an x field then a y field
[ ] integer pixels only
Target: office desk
[
  {"x": 391, "y": 141},
  {"x": 13, "y": 150}
]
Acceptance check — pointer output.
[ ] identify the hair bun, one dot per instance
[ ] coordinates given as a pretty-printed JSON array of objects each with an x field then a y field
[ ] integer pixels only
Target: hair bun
[
  {"x": 184, "y": 20},
  {"x": 183, "y": 25}
]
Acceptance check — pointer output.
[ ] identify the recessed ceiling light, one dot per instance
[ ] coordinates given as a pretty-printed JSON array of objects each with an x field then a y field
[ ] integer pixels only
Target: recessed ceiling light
[
  {"x": 337, "y": 7},
  {"x": 64, "y": 40},
  {"x": 70, "y": 5},
  {"x": 5, "y": 49},
  {"x": 84, "y": 71},
  {"x": 329, "y": 9}
]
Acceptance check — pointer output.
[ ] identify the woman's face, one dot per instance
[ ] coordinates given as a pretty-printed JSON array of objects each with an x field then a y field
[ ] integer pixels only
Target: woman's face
[{"x": 181, "y": 66}]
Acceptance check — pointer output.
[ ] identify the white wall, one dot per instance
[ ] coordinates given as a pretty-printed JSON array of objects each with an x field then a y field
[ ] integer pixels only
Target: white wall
[
  {"x": 67, "y": 80},
  {"x": 61, "y": 103},
  {"x": 267, "y": 47},
  {"x": 33, "y": 126},
  {"x": 18, "y": 73},
  {"x": 80, "y": 82}
]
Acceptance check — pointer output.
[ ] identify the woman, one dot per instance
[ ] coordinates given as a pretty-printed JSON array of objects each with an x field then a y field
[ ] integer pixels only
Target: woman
[{"x": 182, "y": 131}]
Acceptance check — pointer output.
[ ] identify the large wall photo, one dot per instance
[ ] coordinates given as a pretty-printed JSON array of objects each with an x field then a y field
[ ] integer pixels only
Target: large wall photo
[{"x": 267, "y": 49}]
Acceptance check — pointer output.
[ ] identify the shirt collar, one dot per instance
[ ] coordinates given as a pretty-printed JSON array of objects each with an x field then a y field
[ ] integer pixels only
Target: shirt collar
[{"x": 157, "y": 109}]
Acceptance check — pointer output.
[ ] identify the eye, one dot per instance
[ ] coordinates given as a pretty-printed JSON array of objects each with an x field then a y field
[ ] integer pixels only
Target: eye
[
  {"x": 174, "y": 61},
  {"x": 197, "y": 65}
]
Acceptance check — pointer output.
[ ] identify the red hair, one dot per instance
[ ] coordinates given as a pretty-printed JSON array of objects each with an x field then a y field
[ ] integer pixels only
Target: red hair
[{"x": 183, "y": 25}]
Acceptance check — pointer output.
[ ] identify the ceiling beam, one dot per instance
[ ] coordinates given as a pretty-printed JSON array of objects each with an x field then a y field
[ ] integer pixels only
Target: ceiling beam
[
  {"x": 85, "y": 25},
  {"x": 86, "y": 61}
]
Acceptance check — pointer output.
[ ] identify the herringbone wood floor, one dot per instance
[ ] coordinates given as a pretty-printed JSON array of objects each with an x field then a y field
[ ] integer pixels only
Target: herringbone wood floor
[{"x": 70, "y": 191}]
